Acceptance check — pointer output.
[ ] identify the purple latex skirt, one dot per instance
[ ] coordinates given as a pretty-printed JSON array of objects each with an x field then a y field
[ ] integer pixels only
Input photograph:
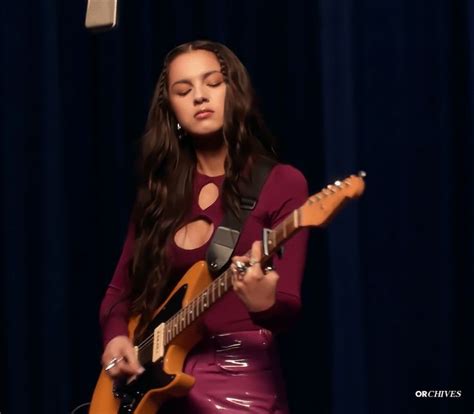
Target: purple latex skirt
[{"x": 237, "y": 372}]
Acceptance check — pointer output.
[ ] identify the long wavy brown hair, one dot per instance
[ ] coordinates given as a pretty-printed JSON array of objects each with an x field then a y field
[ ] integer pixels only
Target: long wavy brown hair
[{"x": 166, "y": 170}]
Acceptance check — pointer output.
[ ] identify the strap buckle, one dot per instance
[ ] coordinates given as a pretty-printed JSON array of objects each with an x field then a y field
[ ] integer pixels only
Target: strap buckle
[{"x": 247, "y": 203}]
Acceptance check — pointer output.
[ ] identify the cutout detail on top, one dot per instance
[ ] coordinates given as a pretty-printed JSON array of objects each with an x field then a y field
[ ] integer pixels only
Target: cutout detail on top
[
  {"x": 208, "y": 195},
  {"x": 194, "y": 234}
]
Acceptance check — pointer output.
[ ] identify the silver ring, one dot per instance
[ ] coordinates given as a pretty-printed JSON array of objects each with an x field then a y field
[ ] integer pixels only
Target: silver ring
[
  {"x": 241, "y": 267},
  {"x": 114, "y": 361}
]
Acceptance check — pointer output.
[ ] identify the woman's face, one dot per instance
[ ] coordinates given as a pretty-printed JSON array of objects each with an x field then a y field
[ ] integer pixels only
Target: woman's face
[{"x": 197, "y": 92}]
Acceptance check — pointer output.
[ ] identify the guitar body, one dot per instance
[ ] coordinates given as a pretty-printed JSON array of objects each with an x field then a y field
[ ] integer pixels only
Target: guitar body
[
  {"x": 175, "y": 328},
  {"x": 163, "y": 378}
]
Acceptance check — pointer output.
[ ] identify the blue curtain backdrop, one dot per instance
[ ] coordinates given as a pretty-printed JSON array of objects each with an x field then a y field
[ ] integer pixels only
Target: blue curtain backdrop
[{"x": 380, "y": 85}]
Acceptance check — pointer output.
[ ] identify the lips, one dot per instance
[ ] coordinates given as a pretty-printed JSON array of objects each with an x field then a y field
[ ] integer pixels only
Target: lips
[{"x": 203, "y": 113}]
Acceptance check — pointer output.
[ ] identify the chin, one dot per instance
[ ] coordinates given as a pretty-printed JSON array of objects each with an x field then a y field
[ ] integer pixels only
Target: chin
[{"x": 206, "y": 132}]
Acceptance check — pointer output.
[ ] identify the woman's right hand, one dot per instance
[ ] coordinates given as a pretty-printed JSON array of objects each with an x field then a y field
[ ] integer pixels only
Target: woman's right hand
[{"x": 121, "y": 350}]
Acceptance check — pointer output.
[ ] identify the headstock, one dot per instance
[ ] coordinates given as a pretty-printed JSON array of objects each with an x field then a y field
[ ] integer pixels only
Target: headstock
[{"x": 320, "y": 207}]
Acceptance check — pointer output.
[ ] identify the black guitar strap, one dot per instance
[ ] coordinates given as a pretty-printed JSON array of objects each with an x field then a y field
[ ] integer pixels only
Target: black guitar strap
[{"x": 227, "y": 234}]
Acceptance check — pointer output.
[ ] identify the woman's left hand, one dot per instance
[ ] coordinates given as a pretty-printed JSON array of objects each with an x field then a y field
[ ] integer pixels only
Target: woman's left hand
[{"x": 256, "y": 288}]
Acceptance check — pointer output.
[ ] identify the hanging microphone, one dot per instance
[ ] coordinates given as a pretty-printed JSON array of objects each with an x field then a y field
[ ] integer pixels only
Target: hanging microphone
[{"x": 101, "y": 14}]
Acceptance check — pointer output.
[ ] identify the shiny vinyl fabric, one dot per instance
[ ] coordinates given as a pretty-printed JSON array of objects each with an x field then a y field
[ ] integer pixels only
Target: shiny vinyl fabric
[{"x": 236, "y": 372}]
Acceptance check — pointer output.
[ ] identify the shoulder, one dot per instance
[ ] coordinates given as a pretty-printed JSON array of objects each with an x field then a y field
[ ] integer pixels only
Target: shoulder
[
  {"x": 285, "y": 190},
  {"x": 285, "y": 184},
  {"x": 286, "y": 175}
]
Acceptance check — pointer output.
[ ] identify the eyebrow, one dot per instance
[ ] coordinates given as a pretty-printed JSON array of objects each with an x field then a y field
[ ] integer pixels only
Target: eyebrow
[{"x": 204, "y": 76}]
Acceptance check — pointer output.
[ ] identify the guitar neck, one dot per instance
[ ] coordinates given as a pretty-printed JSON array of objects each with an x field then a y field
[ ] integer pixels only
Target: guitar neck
[{"x": 317, "y": 211}]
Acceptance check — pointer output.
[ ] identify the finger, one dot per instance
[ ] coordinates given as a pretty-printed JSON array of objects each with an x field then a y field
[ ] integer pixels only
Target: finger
[
  {"x": 273, "y": 275},
  {"x": 120, "y": 366},
  {"x": 272, "y": 278},
  {"x": 243, "y": 259},
  {"x": 239, "y": 269},
  {"x": 256, "y": 251},
  {"x": 111, "y": 367},
  {"x": 107, "y": 359},
  {"x": 238, "y": 286},
  {"x": 255, "y": 273},
  {"x": 131, "y": 364},
  {"x": 114, "y": 373},
  {"x": 238, "y": 276},
  {"x": 109, "y": 362}
]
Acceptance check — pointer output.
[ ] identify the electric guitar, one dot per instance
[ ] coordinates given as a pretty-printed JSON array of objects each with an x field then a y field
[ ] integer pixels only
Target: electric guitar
[{"x": 175, "y": 327}]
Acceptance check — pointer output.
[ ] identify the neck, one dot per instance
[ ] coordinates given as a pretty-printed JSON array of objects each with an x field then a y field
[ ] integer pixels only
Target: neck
[{"x": 211, "y": 154}]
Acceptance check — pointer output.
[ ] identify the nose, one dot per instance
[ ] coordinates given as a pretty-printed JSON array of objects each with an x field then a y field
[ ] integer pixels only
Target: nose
[
  {"x": 199, "y": 96},
  {"x": 200, "y": 100}
]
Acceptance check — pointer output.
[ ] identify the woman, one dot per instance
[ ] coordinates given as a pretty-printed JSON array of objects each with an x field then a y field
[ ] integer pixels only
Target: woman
[{"x": 203, "y": 133}]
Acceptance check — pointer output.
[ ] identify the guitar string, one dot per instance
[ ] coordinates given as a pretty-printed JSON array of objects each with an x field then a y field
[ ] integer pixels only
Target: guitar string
[{"x": 149, "y": 340}]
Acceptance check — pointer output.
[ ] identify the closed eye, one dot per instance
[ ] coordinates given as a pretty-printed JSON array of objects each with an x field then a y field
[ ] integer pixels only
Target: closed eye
[{"x": 183, "y": 93}]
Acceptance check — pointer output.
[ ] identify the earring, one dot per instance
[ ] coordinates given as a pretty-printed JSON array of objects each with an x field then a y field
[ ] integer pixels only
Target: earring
[{"x": 180, "y": 131}]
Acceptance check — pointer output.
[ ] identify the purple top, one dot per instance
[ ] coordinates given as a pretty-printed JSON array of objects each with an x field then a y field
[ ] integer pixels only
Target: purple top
[{"x": 284, "y": 191}]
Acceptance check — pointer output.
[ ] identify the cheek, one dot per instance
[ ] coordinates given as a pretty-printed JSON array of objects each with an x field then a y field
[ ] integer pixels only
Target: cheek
[
  {"x": 222, "y": 102},
  {"x": 179, "y": 109}
]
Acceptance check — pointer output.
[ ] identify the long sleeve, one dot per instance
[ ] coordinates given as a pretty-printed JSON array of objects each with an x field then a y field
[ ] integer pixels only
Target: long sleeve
[
  {"x": 114, "y": 309},
  {"x": 285, "y": 191}
]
